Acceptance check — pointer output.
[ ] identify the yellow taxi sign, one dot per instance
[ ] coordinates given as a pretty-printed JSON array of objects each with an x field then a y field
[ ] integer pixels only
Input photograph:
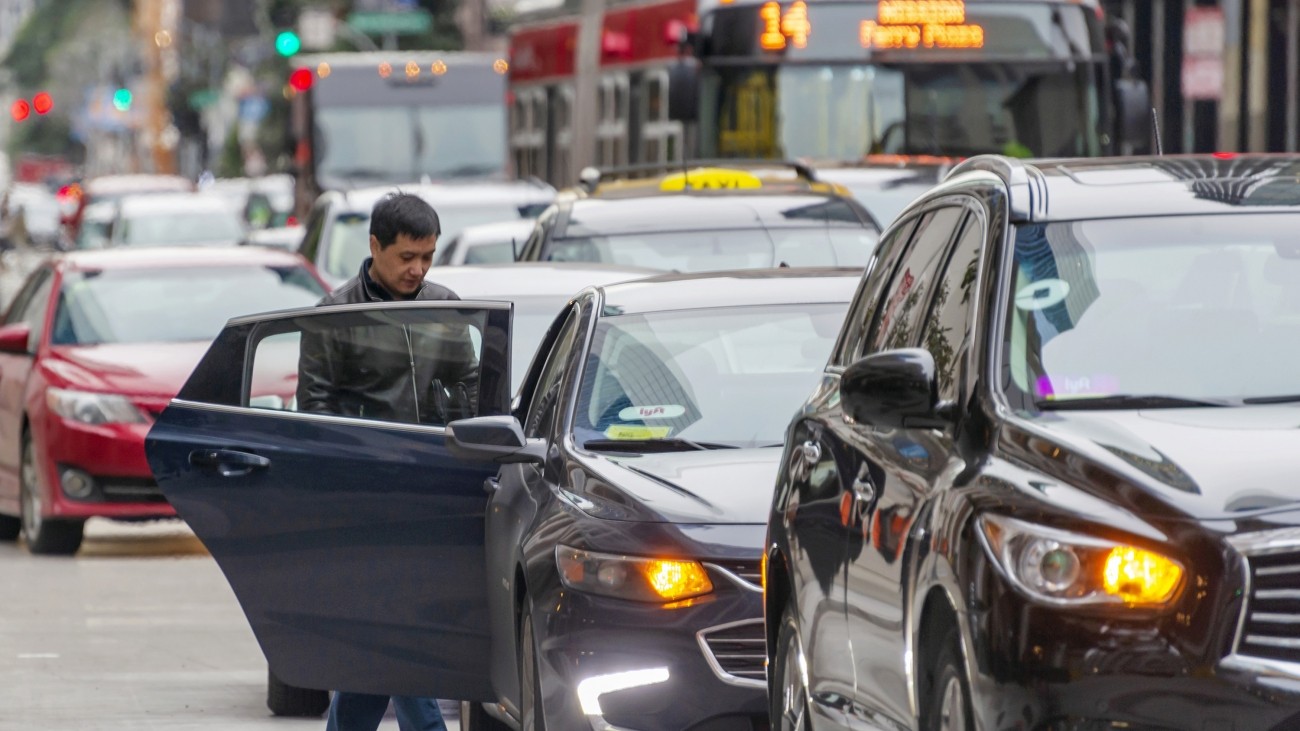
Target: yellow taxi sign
[{"x": 711, "y": 179}]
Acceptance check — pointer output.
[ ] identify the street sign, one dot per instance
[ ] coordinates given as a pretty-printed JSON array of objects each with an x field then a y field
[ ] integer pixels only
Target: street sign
[
  {"x": 1203, "y": 39},
  {"x": 407, "y": 22}
]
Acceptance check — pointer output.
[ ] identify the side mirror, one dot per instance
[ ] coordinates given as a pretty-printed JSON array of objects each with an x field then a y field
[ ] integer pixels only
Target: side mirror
[
  {"x": 15, "y": 338},
  {"x": 894, "y": 388},
  {"x": 1133, "y": 112},
  {"x": 497, "y": 439},
  {"x": 684, "y": 91}
]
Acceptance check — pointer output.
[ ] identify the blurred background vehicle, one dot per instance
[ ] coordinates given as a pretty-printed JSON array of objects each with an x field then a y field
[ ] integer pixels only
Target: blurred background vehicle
[
  {"x": 287, "y": 238},
  {"x": 93, "y": 347},
  {"x": 175, "y": 219},
  {"x": 885, "y": 184},
  {"x": 95, "y": 222},
  {"x": 111, "y": 188},
  {"x": 30, "y": 216},
  {"x": 488, "y": 243},
  {"x": 337, "y": 237},
  {"x": 262, "y": 202}
]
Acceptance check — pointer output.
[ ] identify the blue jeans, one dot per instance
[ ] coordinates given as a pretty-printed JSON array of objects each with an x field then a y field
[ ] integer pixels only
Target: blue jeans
[{"x": 364, "y": 712}]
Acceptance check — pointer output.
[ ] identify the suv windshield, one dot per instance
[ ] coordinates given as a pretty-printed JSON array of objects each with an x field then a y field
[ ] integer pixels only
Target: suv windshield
[
  {"x": 729, "y": 376},
  {"x": 1157, "y": 311},
  {"x": 702, "y": 251}
]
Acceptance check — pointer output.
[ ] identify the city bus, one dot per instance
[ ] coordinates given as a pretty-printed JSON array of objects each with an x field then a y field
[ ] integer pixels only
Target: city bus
[
  {"x": 366, "y": 119},
  {"x": 827, "y": 80}
]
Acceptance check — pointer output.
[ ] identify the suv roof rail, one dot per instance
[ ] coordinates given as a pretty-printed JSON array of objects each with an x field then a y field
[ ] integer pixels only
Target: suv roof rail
[
  {"x": 590, "y": 177},
  {"x": 1010, "y": 169},
  {"x": 1025, "y": 183}
]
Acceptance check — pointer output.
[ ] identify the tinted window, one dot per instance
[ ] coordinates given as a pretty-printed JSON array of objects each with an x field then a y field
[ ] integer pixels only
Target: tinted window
[
  {"x": 541, "y": 412},
  {"x": 866, "y": 300},
  {"x": 910, "y": 289},
  {"x": 947, "y": 329}
]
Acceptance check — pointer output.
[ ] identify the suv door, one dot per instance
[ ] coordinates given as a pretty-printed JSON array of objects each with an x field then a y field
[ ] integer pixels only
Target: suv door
[{"x": 354, "y": 545}]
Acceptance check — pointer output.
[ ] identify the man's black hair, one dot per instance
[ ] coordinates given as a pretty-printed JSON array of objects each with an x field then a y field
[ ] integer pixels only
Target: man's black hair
[{"x": 403, "y": 213}]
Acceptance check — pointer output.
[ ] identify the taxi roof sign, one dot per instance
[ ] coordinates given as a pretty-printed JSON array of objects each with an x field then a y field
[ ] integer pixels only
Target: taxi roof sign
[{"x": 713, "y": 178}]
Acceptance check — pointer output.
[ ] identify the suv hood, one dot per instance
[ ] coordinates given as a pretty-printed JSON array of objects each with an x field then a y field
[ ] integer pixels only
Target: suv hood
[
  {"x": 1207, "y": 463},
  {"x": 718, "y": 486}
]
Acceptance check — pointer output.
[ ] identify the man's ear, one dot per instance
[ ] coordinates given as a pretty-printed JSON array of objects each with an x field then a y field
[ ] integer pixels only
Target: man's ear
[{"x": 374, "y": 246}]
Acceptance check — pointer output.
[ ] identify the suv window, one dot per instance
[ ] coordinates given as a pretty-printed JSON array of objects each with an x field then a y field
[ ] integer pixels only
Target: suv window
[
  {"x": 948, "y": 327},
  {"x": 542, "y": 409},
  {"x": 909, "y": 291}
]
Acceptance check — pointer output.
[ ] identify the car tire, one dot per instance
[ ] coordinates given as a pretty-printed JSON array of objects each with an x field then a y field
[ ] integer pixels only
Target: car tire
[
  {"x": 788, "y": 705},
  {"x": 43, "y": 535},
  {"x": 946, "y": 702},
  {"x": 10, "y": 527},
  {"x": 473, "y": 717},
  {"x": 290, "y": 700},
  {"x": 530, "y": 697}
]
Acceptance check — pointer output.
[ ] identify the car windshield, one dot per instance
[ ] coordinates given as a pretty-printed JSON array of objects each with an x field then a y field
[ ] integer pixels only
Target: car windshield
[
  {"x": 175, "y": 229},
  {"x": 729, "y": 376},
  {"x": 349, "y": 237},
  {"x": 702, "y": 251},
  {"x": 161, "y": 305},
  {"x": 1154, "y": 307}
]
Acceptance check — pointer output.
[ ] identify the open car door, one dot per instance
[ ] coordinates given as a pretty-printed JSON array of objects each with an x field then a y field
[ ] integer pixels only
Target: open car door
[{"x": 353, "y": 543}]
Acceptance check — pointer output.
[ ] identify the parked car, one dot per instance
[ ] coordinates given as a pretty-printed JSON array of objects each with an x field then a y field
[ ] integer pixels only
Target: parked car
[
  {"x": 608, "y": 578},
  {"x": 178, "y": 219},
  {"x": 1048, "y": 481},
  {"x": 337, "y": 235},
  {"x": 92, "y": 348},
  {"x": 488, "y": 243},
  {"x": 708, "y": 218},
  {"x": 110, "y": 189}
]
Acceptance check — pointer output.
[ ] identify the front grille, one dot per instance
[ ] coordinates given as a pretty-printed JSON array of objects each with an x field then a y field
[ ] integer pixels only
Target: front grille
[
  {"x": 737, "y": 652},
  {"x": 130, "y": 490},
  {"x": 1272, "y": 626},
  {"x": 748, "y": 571}
]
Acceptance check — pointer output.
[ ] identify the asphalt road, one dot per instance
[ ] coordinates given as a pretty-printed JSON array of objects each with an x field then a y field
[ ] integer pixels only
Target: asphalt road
[{"x": 139, "y": 631}]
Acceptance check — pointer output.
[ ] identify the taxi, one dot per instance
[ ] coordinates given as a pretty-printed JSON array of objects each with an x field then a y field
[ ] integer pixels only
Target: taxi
[
  {"x": 705, "y": 216},
  {"x": 1048, "y": 480}
]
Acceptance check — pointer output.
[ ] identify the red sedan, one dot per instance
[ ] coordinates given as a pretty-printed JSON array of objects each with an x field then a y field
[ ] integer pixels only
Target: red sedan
[{"x": 92, "y": 348}]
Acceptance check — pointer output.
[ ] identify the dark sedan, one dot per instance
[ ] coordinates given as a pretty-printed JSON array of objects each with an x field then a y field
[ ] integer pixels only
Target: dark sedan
[
  {"x": 609, "y": 577},
  {"x": 1048, "y": 481}
]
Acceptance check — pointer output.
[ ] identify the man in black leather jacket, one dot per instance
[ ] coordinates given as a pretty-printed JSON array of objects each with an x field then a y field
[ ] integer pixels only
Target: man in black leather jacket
[
  {"x": 393, "y": 372},
  {"x": 387, "y": 371}
]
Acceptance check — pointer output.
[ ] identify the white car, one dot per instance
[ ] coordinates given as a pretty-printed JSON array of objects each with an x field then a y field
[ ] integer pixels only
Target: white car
[
  {"x": 490, "y": 243},
  {"x": 176, "y": 219}
]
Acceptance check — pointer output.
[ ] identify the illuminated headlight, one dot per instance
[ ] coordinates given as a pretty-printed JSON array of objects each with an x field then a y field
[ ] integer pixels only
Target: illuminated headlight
[
  {"x": 631, "y": 577},
  {"x": 1068, "y": 569},
  {"x": 93, "y": 408}
]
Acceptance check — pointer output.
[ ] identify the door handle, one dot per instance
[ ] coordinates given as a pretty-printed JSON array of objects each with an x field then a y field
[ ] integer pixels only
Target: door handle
[
  {"x": 228, "y": 462},
  {"x": 863, "y": 488}
]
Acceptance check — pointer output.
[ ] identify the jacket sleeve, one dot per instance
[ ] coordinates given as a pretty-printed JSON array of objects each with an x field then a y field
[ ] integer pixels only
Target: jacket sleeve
[{"x": 316, "y": 373}]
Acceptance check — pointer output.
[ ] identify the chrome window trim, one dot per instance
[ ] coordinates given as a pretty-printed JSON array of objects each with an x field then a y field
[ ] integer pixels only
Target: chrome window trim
[
  {"x": 305, "y": 416},
  {"x": 716, "y": 667}
]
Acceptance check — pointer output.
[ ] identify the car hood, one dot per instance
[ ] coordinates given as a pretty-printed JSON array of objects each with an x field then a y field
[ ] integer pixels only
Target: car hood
[
  {"x": 1206, "y": 463},
  {"x": 143, "y": 369},
  {"x": 716, "y": 486}
]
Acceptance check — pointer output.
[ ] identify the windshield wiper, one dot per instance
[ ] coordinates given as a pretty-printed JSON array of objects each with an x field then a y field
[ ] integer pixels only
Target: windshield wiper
[
  {"x": 1127, "y": 401},
  {"x": 1284, "y": 399},
  {"x": 650, "y": 445},
  {"x": 465, "y": 171}
]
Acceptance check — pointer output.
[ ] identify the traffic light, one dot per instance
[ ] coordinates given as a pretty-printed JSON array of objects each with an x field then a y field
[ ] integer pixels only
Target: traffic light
[
  {"x": 301, "y": 79},
  {"x": 20, "y": 110},
  {"x": 42, "y": 103},
  {"x": 287, "y": 43},
  {"x": 122, "y": 99}
]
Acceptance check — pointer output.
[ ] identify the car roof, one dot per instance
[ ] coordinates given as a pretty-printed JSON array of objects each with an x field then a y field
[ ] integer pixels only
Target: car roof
[
  {"x": 693, "y": 212},
  {"x": 531, "y": 278},
  {"x": 163, "y": 257},
  {"x": 113, "y": 184},
  {"x": 1093, "y": 188},
  {"x": 173, "y": 203},
  {"x": 468, "y": 194},
  {"x": 744, "y": 288},
  {"x": 491, "y": 233}
]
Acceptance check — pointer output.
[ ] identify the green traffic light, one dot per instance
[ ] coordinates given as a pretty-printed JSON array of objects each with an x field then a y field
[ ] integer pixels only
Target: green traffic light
[
  {"x": 287, "y": 43},
  {"x": 122, "y": 99}
]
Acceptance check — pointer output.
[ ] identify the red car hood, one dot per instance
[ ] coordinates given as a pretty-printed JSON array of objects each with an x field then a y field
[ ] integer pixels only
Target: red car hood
[{"x": 155, "y": 370}]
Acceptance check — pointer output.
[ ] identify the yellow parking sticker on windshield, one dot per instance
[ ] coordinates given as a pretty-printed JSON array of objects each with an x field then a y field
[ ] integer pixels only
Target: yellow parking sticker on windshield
[
  {"x": 624, "y": 431},
  {"x": 711, "y": 179}
]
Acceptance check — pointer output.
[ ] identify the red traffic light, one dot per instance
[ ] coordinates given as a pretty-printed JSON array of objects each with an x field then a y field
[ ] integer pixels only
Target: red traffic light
[
  {"x": 42, "y": 102},
  {"x": 20, "y": 110},
  {"x": 300, "y": 79}
]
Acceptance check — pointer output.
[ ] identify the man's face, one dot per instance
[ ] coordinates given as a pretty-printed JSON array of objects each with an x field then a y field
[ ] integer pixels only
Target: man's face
[{"x": 400, "y": 268}]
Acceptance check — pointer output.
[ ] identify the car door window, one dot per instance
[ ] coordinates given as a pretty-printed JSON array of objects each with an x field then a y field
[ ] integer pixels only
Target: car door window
[
  {"x": 542, "y": 409},
  {"x": 311, "y": 238},
  {"x": 390, "y": 365},
  {"x": 909, "y": 291},
  {"x": 19, "y": 308},
  {"x": 947, "y": 332},
  {"x": 33, "y": 310},
  {"x": 881, "y": 264}
]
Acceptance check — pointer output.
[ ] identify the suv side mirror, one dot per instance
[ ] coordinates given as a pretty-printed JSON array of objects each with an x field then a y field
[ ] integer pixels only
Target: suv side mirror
[
  {"x": 497, "y": 439},
  {"x": 893, "y": 388},
  {"x": 15, "y": 338}
]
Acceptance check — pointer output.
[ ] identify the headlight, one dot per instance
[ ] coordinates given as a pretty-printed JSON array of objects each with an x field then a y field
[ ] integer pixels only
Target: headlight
[
  {"x": 93, "y": 408},
  {"x": 1067, "y": 569},
  {"x": 631, "y": 577}
]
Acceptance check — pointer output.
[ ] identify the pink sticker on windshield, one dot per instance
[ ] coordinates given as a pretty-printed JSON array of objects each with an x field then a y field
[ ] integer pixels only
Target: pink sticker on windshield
[{"x": 1057, "y": 387}]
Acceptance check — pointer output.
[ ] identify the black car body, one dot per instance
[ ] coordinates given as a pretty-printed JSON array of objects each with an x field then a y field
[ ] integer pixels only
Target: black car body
[
  {"x": 1065, "y": 498},
  {"x": 608, "y": 578},
  {"x": 705, "y": 219}
]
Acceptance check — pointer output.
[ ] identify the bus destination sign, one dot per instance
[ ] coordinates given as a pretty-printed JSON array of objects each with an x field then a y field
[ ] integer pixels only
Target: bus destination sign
[{"x": 899, "y": 24}]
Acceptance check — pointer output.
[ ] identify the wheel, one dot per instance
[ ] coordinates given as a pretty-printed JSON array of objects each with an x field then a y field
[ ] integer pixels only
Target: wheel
[
  {"x": 10, "y": 527},
  {"x": 473, "y": 717},
  {"x": 945, "y": 703},
  {"x": 530, "y": 696},
  {"x": 43, "y": 536},
  {"x": 290, "y": 700},
  {"x": 788, "y": 695}
]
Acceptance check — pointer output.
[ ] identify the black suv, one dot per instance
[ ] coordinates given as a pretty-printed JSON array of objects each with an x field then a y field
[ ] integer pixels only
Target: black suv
[
  {"x": 1049, "y": 478},
  {"x": 729, "y": 215}
]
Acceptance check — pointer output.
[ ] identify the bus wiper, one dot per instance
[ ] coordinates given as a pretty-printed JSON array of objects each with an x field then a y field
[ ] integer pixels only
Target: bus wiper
[
  {"x": 1283, "y": 399},
  {"x": 1127, "y": 401},
  {"x": 650, "y": 445}
]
